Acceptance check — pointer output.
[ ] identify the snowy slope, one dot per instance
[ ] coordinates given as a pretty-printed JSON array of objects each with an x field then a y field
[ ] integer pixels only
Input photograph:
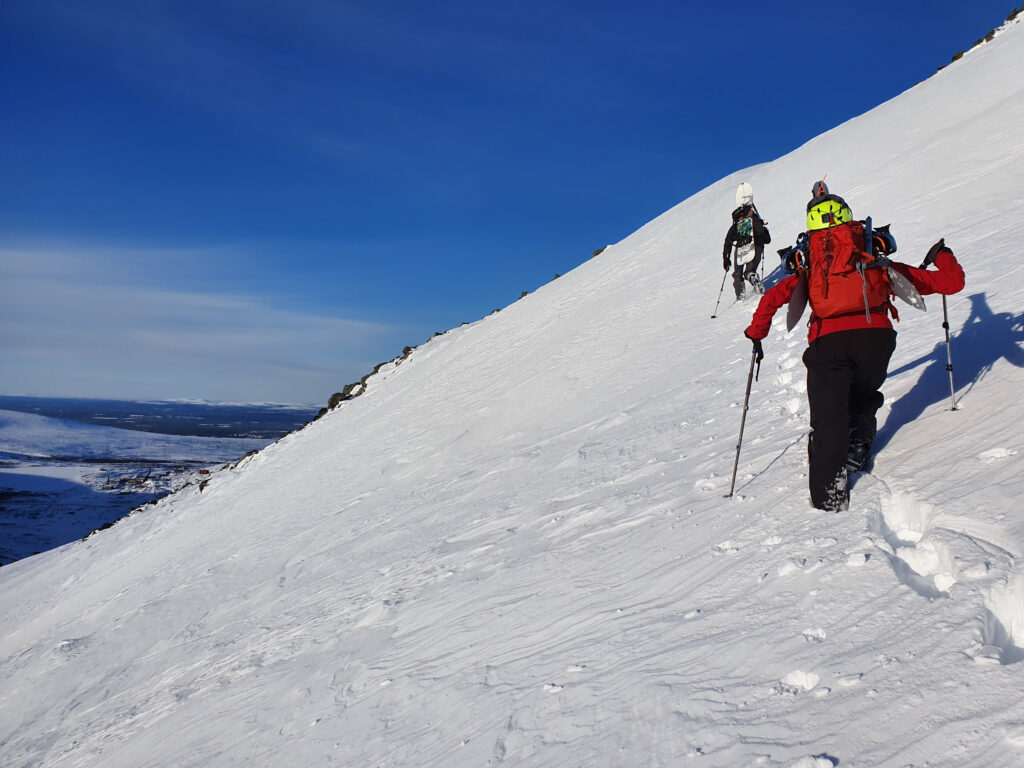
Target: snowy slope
[{"x": 514, "y": 548}]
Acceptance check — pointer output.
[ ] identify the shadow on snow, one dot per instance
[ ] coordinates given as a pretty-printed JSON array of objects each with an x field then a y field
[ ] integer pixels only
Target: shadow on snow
[{"x": 985, "y": 339}]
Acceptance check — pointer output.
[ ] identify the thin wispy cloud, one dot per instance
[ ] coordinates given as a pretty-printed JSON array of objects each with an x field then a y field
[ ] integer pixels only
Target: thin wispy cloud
[{"x": 57, "y": 321}]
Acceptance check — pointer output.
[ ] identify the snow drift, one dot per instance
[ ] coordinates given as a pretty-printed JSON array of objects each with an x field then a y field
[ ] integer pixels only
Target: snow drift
[{"x": 513, "y": 548}]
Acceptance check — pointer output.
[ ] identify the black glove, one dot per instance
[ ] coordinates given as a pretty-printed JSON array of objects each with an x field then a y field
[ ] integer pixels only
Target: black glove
[
  {"x": 758, "y": 349},
  {"x": 935, "y": 251},
  {"x": 726, "y": 263}
]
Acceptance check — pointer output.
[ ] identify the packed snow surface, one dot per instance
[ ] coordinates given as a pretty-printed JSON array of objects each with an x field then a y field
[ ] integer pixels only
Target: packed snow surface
[{"x": 513, "y": 548}]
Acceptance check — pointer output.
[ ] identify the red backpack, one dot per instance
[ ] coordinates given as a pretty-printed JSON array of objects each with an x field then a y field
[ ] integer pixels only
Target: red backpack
[{"x": 842, "y": 278}]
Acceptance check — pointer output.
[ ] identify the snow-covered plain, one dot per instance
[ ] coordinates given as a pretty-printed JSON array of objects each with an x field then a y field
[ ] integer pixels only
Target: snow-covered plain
[
  {"x": 514, "y": 549},
  {"x": 61, "y": 479},
  {"x": 26, "y": 433}
]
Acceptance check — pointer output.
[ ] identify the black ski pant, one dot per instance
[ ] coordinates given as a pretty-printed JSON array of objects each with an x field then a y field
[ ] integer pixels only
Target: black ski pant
[
  {"x": 844, "y": 372},
  {"x": 740, "y": 271}
]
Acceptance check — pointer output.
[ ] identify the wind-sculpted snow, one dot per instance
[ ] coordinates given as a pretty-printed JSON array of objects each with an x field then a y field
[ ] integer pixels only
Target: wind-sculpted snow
[{"x": 513, "y": 548}]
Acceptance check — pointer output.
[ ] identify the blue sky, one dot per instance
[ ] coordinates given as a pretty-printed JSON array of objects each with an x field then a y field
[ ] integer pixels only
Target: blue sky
[{"x": 246, "y": 200}]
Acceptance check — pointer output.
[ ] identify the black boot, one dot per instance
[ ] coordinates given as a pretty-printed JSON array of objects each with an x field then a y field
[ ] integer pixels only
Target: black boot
[
  {"x": 858, "y": 459},
  {"x": 832, "y": 494},
  {"x": 838, "y": 498}
]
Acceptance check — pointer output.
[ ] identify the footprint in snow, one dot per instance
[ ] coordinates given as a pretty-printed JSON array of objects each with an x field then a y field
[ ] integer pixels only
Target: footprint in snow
[
  {"x": 920, "y": 545},
  {"x": 996, "y": 454},
  {"x": 799, "y": 565},
  {"x": 860, "y": 553},
  {"x": 797, "y": 682},
  {"x": 792, "y": 407},
  {"x": 848, "y": 681},
  {"x": 71, "y": 647},
  {"x": 858, "y": 559},
  {"x": 1003, "y": 624},
  {"x": 925, "y": 565},
  {"x": 827, "y": 541},
  {"x": 1015, "y": 735},
  {"x": 706, "y": 484},
  {"x": 816, "y": 761},
  {"x": 784, "y": 379},
  {"x": 815, "y": 635}
]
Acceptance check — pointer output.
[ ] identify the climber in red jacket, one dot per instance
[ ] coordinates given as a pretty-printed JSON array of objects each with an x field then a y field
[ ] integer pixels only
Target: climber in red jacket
[{"x": 850, "y": 334}]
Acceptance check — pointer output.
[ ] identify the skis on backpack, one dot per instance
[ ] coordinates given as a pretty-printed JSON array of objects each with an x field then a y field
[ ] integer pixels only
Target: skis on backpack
[
  {"x": 902, "y": 288},
  {"x": 797, "y": 303},
  {"x": 905, "y": 290}
]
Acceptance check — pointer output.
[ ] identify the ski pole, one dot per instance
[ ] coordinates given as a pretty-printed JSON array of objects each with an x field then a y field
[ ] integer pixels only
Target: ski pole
[
  {"x": 930, "y": 258},
  {"x": 755, "y": 356},
  {"x": 715, "y": 313},
  {"x": 949, "y": 354}
]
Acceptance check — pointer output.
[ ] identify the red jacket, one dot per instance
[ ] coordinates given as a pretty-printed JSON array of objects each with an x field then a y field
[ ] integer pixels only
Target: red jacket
[{"x": 948, "y": 277}]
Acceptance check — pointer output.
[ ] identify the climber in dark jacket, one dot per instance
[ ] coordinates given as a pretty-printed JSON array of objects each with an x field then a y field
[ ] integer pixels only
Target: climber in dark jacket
[{"x": 745, "y": 273}]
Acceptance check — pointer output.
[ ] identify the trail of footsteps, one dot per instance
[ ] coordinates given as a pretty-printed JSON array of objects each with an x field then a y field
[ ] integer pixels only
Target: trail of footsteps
[
  {"x": 932, "y": 552},
  {"x": 790, "y": 378},
  {"x": 787, "y": 384},
  {"x": 784, "y": 390}
]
